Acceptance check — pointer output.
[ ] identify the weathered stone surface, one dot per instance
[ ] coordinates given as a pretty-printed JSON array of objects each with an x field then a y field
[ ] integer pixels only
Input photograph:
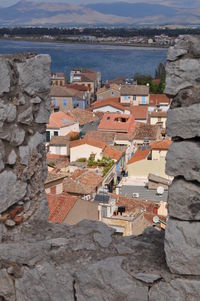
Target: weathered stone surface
[
  {"x": 176, "y": 290},
  {"x": 26, "y": 151},
  {"x": 114, "y": 283},
  {"x": 11, "y": 190},
  {"x": 181, "y": 74},
  {"x": 5, "y": 80},
  {"x": 175, "y": 53},
  {"x": 182, "y": 247},
  {"x": 187, "y": 97},
  {"x": 184, "y": 122},
  {"x": 147, "y": 278},
  {"x": 26, "y": 117},
  {"x": 12, "y": 158},
  {"x": 7, "y": 290},
  {"x": 13, "y": 134},
  {"x": 43, "y": 114},
  {"x": 45, "y": 282},
  {"x": 36, "y": 100},
  {"x": 183, "y": 159},
  {"x": 34, "y": 74},
  {"x": 8, "y": 112},
  {"x": 184, "y": 200}
]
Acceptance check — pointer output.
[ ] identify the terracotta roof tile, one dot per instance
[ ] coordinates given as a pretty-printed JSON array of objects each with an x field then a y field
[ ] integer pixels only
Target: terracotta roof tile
[
  {"x": 116, "y": 122},
  {"x": 60, "y": 119},
  {"x": 59, "y": 141},
  {"x": 142, "y": 131},
  {"x": 139, "y": 155},
  {"x": 158, "y": 114},
  {"x": 82, "y": 116},
  {"x": 158, "y": 99},
  {"x": 89, "y": 141},
  {"x": 113, "y": 102},
  {"x": 139, "y": 112},
  {"x": 60, "y": 206},
  {"x": 134, "y": 90},
  {"x": 85, "y": 183},
  {"x": 161, "y": 145},
  {"x": 112, "y": 153},
  {"x": 105, "y": 137}
]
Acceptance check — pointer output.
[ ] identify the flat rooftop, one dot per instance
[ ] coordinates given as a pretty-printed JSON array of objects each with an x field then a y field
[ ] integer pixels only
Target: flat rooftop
[{"x": 144, "y": 193}]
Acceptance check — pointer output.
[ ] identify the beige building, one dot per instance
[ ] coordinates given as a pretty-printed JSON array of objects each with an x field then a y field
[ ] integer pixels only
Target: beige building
[
  {"x": 108, "y": 91},
  {"x": 150, "y": 160},
  {"x": 159, "y": 118},
  {"x": 134, "y": 95},
  {"x": 58, "y": 79}
]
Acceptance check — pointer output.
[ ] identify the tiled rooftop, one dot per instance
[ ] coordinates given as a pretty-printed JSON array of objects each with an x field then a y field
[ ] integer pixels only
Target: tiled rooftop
[
  {"x": 158, "y": 99},
  {"x": 139, "y": 155},
  {"x": 134, "y": 90},
  {"x": 83, "y": 116},
  {"x": 60, "y": 206},
  {"x": 142, "y": 131},
  {"x": 161, "y": 145},
  {"x": 139, "y": 112},
  {"x": 113, "y": 102},
  {"x": 60, "y": 119},
  {"x": 116, "y": 122}
]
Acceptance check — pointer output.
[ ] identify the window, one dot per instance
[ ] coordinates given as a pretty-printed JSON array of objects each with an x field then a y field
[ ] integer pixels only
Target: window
[
  {"x": 143, "y": 100},
  {"x": 134, "y": 97},
  {"x": 65, "y": 102},
  {"x": 112, "y": 93},
  {"x": 47, "y": 136},
  {"x": 55, "y": 133},
  {"x": 54, "y": 102}
]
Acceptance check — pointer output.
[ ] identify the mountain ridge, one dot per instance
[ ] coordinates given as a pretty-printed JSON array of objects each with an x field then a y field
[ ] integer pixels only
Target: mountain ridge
[{"x": 31, "y": 13}]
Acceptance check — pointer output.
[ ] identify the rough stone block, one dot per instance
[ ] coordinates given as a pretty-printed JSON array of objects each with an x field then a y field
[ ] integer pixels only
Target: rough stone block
[
  {"x": 181, "y": 74},
  {"x": 183, "y": 159},
  {"x": 34, "y": 74},
  {"x": 7, "y": 290},
  {"x": 12, "y": 190},
  {"x": 184, "y": 122},
  {"x": 26, "y": 117},
  {"x": 184, "y": 200},
  {"x": 5, "y": 80},
  {"x": 187, "y": 97},
  {"x": 176, "y": 290},
  {"x": 182, "y": 247}
]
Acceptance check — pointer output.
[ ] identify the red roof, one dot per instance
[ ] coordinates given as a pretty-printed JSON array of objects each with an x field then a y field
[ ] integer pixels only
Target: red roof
[
  {"x": 158, "y": 114},
  {"x": 78, "y": 87},
  {"x": 139, "y": 112},
  {"x": 161, "y": 145},
  {"x": 59, "y": 206},
  {"x": 139, "y": 155},
  {"x": 59, "y": 120},
  {"x": 157, "y": 99},
  {"x": 112, "y": 153},
  {"x": 113, "y": 102},
  {"x": 89, "y": 141},
  {"x": 117, "y": 122}
]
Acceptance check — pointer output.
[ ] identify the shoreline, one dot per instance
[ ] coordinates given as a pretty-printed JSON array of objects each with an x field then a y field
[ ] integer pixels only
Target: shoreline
[{"x": 43, "y": 40}]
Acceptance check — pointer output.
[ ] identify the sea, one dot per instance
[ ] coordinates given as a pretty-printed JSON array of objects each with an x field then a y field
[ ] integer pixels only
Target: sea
[{"x": 112, "y": 61}]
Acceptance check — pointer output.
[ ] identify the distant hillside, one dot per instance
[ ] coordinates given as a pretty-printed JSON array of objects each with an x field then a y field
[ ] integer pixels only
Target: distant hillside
[
  {"x": 27, "y": 12},
  {"x": 134, "y": 10}
]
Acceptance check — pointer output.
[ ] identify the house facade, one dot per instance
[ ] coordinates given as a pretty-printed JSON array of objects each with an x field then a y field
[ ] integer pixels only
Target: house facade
[
  {"x": 134, "y": 95},
  {"x": 60, "y": 124},
  {"x": 108, "y": 91}
]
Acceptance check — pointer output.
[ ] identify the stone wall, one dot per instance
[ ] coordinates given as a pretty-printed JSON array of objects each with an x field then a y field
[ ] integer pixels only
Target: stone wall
[
  {"x": 24, "y": 112},
  {"x": 40, "y": 261},
  {"x": 182, "y": 244}
]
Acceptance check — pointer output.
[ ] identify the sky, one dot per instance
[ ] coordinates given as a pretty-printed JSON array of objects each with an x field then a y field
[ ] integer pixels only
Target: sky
[{"x": 180, "y": 3}]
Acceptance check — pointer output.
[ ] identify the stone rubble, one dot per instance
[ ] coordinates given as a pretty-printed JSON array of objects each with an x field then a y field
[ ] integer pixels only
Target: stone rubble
[{"x": 40, "y": 261}]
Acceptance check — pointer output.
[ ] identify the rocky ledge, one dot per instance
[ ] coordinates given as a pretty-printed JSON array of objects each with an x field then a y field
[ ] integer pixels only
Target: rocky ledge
[{"x": 87, "y": 262}]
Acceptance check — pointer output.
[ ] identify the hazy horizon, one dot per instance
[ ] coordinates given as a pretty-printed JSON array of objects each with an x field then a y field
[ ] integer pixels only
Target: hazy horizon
[{"x": 180, "y": 3}]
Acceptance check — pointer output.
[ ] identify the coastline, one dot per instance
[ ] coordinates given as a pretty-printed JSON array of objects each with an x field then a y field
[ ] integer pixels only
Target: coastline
[{"x": 45, "y": 40}]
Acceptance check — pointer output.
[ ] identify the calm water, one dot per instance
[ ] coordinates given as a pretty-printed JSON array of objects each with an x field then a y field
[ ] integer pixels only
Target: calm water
[{"x": 112, "y": 61}]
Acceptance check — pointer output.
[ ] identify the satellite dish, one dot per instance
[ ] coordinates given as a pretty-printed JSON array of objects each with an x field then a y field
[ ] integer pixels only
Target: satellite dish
[
  {"x": 156, "y": 219},
  {"x": 160, "y": 190}
]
